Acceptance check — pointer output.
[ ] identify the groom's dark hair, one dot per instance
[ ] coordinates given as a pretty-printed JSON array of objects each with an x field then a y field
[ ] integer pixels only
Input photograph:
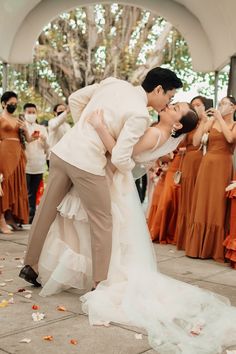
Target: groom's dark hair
[{"x": 161, "y": 76}]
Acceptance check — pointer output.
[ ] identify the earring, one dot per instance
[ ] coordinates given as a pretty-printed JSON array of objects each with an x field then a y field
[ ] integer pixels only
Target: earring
[{"x": 173, "y": 131}]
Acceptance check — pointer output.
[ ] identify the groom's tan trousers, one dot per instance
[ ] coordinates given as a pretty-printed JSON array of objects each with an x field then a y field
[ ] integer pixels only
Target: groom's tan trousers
[{"x": 94, "y": 193}]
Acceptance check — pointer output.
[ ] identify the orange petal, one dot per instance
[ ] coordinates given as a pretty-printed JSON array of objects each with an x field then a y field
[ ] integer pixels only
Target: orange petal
[
  {"x": 73, "y": 341},
  {"x": 61, "y": 308},
  {"x": 49, "y": 338}
]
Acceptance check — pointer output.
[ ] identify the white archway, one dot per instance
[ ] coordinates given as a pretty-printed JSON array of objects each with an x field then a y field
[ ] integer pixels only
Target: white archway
[
  {"x": 208, "y": 26},
  {"x": 19, "y": 49}
]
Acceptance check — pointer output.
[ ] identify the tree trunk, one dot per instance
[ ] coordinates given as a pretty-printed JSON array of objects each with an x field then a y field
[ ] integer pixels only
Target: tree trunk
[{"x": 155, "y": 59}]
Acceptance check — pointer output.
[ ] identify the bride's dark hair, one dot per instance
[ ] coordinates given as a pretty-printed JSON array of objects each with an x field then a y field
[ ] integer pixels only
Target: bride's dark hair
[{"x": 189, "y": 122}]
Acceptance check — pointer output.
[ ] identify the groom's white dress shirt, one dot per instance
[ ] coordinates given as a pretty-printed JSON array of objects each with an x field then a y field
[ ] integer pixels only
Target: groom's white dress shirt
[{"x": 125, "y": 114}]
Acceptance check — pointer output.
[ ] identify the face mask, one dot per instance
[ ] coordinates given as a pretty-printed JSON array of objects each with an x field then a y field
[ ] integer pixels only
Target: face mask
[
  {"x": 58, "y": 113},
  {"x": 225, "y": 109},
  {"x": 31, "y": 118},
  {"x": 11, "y": 108}
]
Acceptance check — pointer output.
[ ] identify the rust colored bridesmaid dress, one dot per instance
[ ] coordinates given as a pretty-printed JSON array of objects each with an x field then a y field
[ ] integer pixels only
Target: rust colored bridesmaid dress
[
  {"x": 230, "y": 241},
  {"x": 190, "y": 166},
  {"x": 154, "y": 204},
  {"x": 207, "y": 231},
  {"x": 163, "y": 228},
  {"x": 12, "y": 167}
]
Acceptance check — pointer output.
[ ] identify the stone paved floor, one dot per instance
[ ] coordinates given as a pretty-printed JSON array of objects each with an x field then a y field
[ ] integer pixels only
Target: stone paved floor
[{"x": 16, "y": 321}]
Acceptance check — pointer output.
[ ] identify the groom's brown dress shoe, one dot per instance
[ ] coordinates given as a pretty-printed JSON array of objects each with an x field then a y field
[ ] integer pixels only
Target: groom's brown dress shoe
[{"x": 27, "y": 273}]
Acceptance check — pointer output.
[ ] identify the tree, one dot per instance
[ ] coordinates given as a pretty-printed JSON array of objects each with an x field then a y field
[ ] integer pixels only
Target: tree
[{"x": 91, "y": 43}]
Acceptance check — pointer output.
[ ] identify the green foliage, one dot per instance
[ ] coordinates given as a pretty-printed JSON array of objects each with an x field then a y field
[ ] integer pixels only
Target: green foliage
[{"x": 177, "y": 58}]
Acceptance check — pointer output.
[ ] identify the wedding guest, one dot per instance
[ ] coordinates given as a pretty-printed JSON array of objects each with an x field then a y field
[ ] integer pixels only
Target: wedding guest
[
  {"x": 13, "y": 199},
  {"x": 36, "y": 155},
  {"x": 230, "y": 241},
  {"x": 151, "y": 181},
  {"x": 159, "y": 175},
  {"x": 207, "y": 232},
  {"x": 163, "y": 228},
  {"x": 58, "y": 126},
  {"x": 191, "y": 162}
]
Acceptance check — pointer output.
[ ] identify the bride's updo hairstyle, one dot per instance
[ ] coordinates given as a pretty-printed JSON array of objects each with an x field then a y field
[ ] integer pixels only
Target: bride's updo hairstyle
[{"x": 189, "y": 122}]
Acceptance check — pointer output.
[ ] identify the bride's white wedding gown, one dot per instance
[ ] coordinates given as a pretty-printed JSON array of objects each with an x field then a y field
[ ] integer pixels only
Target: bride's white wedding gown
[{"x": 178, "y": 317}]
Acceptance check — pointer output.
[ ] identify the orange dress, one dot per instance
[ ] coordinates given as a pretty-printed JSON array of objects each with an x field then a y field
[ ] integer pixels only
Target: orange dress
[
  {"x": 163, "y": 228},
  {"x": 154, "y": 204},
  {"x": 190, "y": 166},
  {"x": 230, "y": 241},
  {"x": 207, "y": 232},
  {"x": 12, "y": 167}
]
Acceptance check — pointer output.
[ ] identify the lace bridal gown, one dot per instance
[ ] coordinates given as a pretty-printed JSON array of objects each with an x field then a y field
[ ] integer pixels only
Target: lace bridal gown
[{"x": 178, "y": 317}]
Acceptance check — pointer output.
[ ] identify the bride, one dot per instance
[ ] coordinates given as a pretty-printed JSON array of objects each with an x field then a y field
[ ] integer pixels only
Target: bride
[{"x": 178, "y": 317}]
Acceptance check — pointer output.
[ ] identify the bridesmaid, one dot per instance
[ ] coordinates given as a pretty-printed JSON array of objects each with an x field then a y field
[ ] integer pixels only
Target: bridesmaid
[
  {"x": 190, "y": 166},
  {"x": 156, "y": 196},
  {"x": 206, "y": 234},
  {"x": 13, "y": 196},
  {"x": 163, "y": 227},
  {"x": 230, "y": 241}
]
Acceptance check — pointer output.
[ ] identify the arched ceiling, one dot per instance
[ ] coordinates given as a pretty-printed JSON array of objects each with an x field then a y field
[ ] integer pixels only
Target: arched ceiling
[{"x": 208, "y": 26}]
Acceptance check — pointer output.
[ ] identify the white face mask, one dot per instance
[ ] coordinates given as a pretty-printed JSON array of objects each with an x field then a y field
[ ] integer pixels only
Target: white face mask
[
  {"x": 30, "y": 118},
  {"x": 225, "y": 109}
]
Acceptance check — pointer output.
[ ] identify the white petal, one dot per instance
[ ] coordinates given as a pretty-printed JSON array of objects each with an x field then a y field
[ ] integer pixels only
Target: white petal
[{"x": 25, "y": 340}]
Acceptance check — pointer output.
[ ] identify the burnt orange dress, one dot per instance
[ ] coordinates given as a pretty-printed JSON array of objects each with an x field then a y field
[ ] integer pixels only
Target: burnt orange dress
[
  {"x": 12, "y": 167},
  {"x": 230, "y": 241},
  {"x": 163, "y": 228},
  {"x": 190, "y": 166},
  {"x": 207, "y": 232},
  {"x": 151, "y": 221}
]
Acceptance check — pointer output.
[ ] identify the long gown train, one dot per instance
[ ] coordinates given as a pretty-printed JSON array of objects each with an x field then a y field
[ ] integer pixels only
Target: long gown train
[{"x": 178, "y": 317}]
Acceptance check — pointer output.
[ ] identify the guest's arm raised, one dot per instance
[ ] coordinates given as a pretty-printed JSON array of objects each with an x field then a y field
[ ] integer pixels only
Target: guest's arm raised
[
  {"x": 229, "y": 134},
  {"x": 202, "y": 128}
]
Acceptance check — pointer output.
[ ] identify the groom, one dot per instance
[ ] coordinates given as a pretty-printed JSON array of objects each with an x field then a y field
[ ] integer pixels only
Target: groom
[{"x": 79, "y": 159}]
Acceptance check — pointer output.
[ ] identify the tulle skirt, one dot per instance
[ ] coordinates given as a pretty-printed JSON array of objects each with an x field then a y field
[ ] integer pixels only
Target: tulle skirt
[{"x": 178, "y": 317}]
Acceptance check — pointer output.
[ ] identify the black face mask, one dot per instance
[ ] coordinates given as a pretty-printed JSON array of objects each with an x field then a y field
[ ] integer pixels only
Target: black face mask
[
  {"x": 11, "y": 108},
  {"x": 58, "y": 113}
]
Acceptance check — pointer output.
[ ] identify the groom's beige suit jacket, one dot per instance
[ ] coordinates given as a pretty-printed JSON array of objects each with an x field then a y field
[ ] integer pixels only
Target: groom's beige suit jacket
[
  {"x": 82, "y": 159},
  {"x": 125, "y": 114}
]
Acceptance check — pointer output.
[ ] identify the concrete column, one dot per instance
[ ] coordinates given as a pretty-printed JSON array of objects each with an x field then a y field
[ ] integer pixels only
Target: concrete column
[
  {"x": 232, "y": 77},
  {"x": 4, "y": 77},
  {"x": 216, "y": 88}
]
